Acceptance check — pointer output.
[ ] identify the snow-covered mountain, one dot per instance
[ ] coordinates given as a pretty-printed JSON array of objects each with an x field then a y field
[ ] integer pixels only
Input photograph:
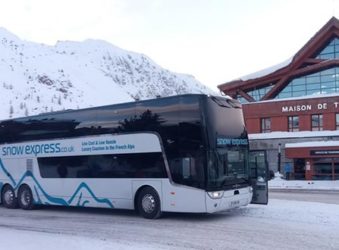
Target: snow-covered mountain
[{"x": 36, "y": 78}]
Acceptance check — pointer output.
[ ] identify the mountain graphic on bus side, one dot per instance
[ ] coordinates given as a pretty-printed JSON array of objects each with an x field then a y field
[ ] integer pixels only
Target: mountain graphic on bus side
[{"x": 78, "y": 194}]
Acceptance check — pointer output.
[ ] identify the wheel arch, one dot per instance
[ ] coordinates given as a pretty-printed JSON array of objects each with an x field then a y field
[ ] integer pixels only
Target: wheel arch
[
  {"x": 6, "y": 184},
  {"x": 22, "y": 185},
  {"x": 148, "y": 202},
  {"x": 138, "y": 192}
]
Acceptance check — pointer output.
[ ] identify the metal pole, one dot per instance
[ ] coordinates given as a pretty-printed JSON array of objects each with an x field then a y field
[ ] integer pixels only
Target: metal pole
[{"x": 279, "y": 157}]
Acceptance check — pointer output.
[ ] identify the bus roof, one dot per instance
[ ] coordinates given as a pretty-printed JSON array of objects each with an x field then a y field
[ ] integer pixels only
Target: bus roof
[{"x": 110, "y": 105}]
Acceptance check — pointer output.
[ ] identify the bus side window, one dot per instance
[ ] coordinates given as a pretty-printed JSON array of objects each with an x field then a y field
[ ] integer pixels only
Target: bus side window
[
  {"x": 175, "y": 167},
  {"x": 62, "y": 171},
  {"x": 186, "y": 167},
  {"x": 182, "y": 169}
]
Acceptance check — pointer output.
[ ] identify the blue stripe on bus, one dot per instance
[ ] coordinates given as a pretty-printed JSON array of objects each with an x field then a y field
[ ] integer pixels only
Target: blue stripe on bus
[
  {"x": 85, "y": 186},
  {"x": 51, "y": 199},
  {"x": 79, "y": 200},
  {"x": 7, "y": 173},
  {"x": 38, "y": 202}
]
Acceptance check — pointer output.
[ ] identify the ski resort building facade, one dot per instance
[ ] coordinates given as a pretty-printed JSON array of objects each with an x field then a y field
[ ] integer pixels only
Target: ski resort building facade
[{"x": 292, "y": 110}]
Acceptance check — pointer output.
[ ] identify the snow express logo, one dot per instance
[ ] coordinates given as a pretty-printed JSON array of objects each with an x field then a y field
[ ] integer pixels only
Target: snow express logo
[
  {"x": 231, "y": 142},
  {"x": 35, "y": 149}
]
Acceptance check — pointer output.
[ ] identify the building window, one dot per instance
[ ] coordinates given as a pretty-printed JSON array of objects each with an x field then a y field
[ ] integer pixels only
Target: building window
[
  {"x": 322, "y": 82},
  {"x": 259, "y": 93},
  {"x": 317, "y": 122},
  {"x": 331, "y": 51},
  {"x": 293, "y": 123},
  {"x": 337, "y": 121},
  {"x": 241, "y": 99},
  {"x": 265, "y": 125}
]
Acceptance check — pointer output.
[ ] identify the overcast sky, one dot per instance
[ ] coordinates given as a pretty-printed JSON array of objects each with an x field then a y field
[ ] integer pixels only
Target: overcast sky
[{"x": 214, "y": 40}]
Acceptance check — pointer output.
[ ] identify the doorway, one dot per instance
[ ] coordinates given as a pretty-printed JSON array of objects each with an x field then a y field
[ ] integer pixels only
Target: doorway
[{"x": 299, "y": 169}]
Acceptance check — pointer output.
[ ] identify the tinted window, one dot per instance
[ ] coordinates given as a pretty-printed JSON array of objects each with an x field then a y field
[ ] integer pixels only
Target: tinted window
[
  {"x": 142, "y": 165},
  {"x": 115, "y": 118},
  {"x": 190, "y": 127},
  {"x": 178, "y": 121},
  {"x": 225, "y": 118},
  {"x": 57, "y": 125},
  {"x": 189, "y": 170}
]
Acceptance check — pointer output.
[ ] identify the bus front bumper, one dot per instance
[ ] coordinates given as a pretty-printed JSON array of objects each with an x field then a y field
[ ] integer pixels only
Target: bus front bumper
[{"x": 229, "y": 199}]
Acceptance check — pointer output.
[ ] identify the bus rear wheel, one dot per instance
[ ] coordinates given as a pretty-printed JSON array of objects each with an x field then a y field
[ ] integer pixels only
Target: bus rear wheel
[
  {"x": 25, "y": 198},
  {"x": 8, "y": 197},
  {"x": 148, "y": 203}
]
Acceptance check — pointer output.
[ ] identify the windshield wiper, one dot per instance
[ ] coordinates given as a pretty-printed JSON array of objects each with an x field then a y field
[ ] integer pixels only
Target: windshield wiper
[
  {"x": 244, "y": 179},
  {"x": 233, "y": 181}
]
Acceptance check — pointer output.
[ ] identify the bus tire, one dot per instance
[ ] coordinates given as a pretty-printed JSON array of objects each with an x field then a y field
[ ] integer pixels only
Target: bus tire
[
  {"x": 25, "y": 198},
  {"x": 148, "y": 203},
  {"x": 8, "y": 197}
]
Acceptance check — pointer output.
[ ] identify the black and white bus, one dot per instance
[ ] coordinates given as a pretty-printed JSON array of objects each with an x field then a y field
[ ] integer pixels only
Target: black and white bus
[{"x": 187, "y": 153}]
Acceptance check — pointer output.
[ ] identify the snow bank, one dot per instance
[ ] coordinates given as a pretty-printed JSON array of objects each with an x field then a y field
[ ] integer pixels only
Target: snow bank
[
  {"x": 300, "y": 134},
  {"x": 312, "y": 144},
  {"x": 279, "y": 183}
]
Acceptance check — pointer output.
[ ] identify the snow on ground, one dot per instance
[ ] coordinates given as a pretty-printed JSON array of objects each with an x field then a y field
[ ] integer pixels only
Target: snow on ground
[
  {"x": 28, "y": 240},
  {"x": 280, "y": 183},
  {"x": 285, "y": 223},
  {"x": 282, "y": 224}
]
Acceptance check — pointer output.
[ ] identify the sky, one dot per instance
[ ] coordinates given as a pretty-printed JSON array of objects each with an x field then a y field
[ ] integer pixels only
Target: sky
[{"x": 216, "y": 41}]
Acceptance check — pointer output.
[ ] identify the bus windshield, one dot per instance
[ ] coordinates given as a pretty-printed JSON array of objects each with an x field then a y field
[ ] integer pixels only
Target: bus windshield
[{"x": 227, "y": 165}]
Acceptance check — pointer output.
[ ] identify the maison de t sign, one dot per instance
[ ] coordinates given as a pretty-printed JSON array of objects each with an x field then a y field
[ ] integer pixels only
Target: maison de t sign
[{"x": 310, "y": 107}]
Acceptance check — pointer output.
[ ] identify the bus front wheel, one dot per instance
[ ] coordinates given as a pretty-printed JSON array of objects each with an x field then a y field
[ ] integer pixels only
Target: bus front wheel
[
  {"x": 148, "y": 203},
  {"x": 25, "y": 198},
  {"x": 8, "y": 197}
]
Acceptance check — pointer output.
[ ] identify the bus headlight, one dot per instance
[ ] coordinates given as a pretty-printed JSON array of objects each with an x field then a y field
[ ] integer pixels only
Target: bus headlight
[
  {"x": 260, "y": 179},
  {"x": 251, "y": 189},
  {"x": 216, "y": 194}
]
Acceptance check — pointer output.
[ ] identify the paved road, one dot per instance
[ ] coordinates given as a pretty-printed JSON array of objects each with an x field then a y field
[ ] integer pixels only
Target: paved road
[{"x": 328, "y": 197}]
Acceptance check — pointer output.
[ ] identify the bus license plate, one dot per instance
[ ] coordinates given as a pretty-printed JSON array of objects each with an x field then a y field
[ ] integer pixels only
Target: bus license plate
[{"x": 235, "y": 203}]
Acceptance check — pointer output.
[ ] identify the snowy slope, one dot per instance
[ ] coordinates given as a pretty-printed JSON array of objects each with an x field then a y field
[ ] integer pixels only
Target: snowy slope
[{"x": 37, "y": 78}]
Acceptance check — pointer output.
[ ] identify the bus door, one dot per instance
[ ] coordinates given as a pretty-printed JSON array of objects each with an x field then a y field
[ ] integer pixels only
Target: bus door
[{"x": 259, "y": 176}]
